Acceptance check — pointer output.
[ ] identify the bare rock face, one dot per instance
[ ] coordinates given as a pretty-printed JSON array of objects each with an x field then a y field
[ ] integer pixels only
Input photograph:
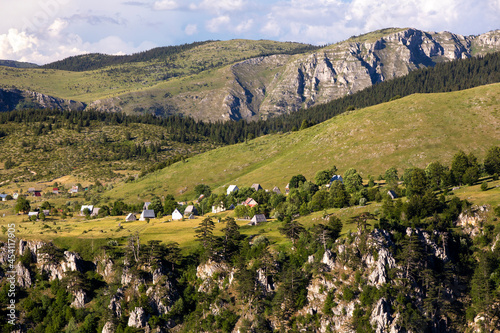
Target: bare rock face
[
  {"x": 380, "y": 239},
  {"x": 23, "y": 276},
  {"x": 328, "y": 259},
  {"x": 108, "y": 328},
  {"x": 114, "y": 303},
  {"x": 104, "y": 266},
  {"x": 381, "y": 318},
  {"x": 71, "y": 262},
  {"x": 211, "y": 269},
  {"x": 265, "y": 281},
  {"x": 80, "y": 299},
  {"x": 162, "y": 296},
  {"x": 472, "y": 220},
  {"x": 137, "y": 318},
  {"x": 11, "y": 99}
]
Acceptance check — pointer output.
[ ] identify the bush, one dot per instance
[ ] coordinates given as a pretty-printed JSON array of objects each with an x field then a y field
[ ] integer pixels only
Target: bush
[{"x": 484, "y": 186}]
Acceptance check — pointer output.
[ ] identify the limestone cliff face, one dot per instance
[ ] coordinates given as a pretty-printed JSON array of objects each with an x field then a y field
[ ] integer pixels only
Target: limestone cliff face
[
  {"x": 10, "y": 99},
  {"x": 267, "y": 86}
]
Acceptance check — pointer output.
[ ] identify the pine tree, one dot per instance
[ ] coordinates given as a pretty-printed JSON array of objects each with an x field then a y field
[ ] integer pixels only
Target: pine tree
[{"x": 204, "y": 235}]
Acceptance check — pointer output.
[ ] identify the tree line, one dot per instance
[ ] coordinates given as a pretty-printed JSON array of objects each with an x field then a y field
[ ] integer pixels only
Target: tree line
[{"x": 444, "y": 77}]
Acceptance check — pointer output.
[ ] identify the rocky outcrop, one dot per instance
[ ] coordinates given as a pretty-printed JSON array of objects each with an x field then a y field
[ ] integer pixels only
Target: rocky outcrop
[
  {"x": 71, "y": 262},
  {"x": 23, "y": 276},
  {"x": 381, "y": 242},
  {"x": 138, "y": 318},
  {"x": 80, "y": 299},
  {"x": 213, "y": 272},
  {"x": 108, "y": 328},
  {"x": 162, "y": 296},
  {"x": 381, "y": 318},
  {"x": 115, "y": 303},
  {"x": 11, "y": 99},
  {"x": 104, "y": 266},
  {"x": 471, "y": 220}
]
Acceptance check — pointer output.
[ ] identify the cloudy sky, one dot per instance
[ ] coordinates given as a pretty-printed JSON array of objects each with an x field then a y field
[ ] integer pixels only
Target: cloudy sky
[{"x": 42, "y": 31}]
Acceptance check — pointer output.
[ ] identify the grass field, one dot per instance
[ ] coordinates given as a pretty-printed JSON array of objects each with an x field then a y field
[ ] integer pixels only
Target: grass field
[
  {"x": 74, "y": 232},
  {"x": 411, "y": 131}
]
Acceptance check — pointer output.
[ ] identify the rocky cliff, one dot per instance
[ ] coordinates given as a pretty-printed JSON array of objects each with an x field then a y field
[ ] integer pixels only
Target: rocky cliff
[
  {"x": 267, "y": 86},
  {"x": 11, "y": 99}
]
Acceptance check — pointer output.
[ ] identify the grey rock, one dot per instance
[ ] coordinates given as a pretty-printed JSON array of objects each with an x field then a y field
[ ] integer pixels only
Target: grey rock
[{"x": 137, "y": 318}]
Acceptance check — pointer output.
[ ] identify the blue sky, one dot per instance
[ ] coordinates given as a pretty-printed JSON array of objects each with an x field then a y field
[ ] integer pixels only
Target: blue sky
[{"x": 42, "y": 31}]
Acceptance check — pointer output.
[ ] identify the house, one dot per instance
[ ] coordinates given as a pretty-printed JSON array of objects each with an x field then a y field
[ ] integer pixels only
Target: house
[
  {"x": 287, "y": 189},
  {"x": 146, "y": 205},
  {"x": 191, "y": 209},
  {"x": 250, "y": 202},
  {"x": 392, "y": 194},
  {"x": 256, "y": 187},
  {"x": 15, "y": 195},
  {"x": 46, "y": 212},
  {"x": 147, "y": 214},
  {"x": 3, "y": 197},
  {"x": 231, "y": 189},
  {"x": 55, "y": 190},
  {"x": 31, "y": 190},
  {"x": 276, "y": 190},
  {"x": 336, "y": 178},
  {"x": 95, "y": 211},
  {"x": 258, "y": 218},
  {"x": 131, "y": 217},
  {"x": 176, "y": 215},
  {"x": 30, "y": 214},
  {"x": 89, "y": 207},
  {"x": 74, "y": 189},
  {"x": 219, "y": 208},
  {"x": 230, "y": 207},
  {"x": 37, "y": 193}
]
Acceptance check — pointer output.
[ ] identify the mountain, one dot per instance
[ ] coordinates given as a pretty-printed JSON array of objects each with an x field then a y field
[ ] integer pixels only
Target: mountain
[
  {"x": 240, "y": 79},
  {"x": 17, "y": 64}
]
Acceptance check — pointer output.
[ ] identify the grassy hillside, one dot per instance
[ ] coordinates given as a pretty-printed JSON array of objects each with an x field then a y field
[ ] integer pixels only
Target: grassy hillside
[
  {"x": 411, "y": 131},
  {"x": 111, "y": 81},
  {"x": 108, "y": 152}
]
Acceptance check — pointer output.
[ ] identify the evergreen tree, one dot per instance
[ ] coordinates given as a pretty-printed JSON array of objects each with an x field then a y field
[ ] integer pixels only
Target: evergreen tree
[
  {"x": 230, "y": 238},
  {"x": 291, "y": 229},
  {"x": 492, "y": 161},
  {"x": 204, "y": 235}
]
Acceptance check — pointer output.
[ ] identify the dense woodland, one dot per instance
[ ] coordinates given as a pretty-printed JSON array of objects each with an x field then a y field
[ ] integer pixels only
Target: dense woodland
[{"x": 428, "y": 293}]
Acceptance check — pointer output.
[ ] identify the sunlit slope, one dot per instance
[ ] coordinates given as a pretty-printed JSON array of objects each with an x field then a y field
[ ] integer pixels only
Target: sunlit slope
[
  {"x": 112, "y": 81},
  {"x": 411, "y": 131}
]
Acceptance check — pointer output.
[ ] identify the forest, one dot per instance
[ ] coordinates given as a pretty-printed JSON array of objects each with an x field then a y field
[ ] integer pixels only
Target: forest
[{"x": 438, "y": 276}]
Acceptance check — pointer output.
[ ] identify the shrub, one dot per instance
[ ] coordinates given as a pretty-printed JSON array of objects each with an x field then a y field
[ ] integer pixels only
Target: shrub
[{"x": 484, "y": 186}]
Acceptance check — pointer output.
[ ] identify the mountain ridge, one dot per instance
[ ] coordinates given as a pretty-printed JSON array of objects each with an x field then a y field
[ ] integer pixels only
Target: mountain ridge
[{"x": 211, "y": 81}]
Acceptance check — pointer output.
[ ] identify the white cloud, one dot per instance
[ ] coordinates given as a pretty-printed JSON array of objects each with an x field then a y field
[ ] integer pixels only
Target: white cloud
[
  {"x": 216, "y": 24},
  {"x": 165, "y": 5},
  {"x": 221, "y": 6},
  {"x": 191, "y": 29},
  {"x": 244, "y": 26},
  {"x": 15, "y": 42},
  {"x": 28, "y": 47},
  {"x": 57, "y": 27}
]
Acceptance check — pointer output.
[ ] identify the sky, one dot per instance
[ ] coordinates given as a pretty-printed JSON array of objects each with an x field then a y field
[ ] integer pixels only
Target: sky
[{"x": 43, "y": 31}]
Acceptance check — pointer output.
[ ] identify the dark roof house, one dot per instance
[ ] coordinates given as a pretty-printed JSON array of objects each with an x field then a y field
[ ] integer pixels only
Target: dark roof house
[
  {"x": 256, "y": 187},
  {"x": 258, "y": 218}
]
